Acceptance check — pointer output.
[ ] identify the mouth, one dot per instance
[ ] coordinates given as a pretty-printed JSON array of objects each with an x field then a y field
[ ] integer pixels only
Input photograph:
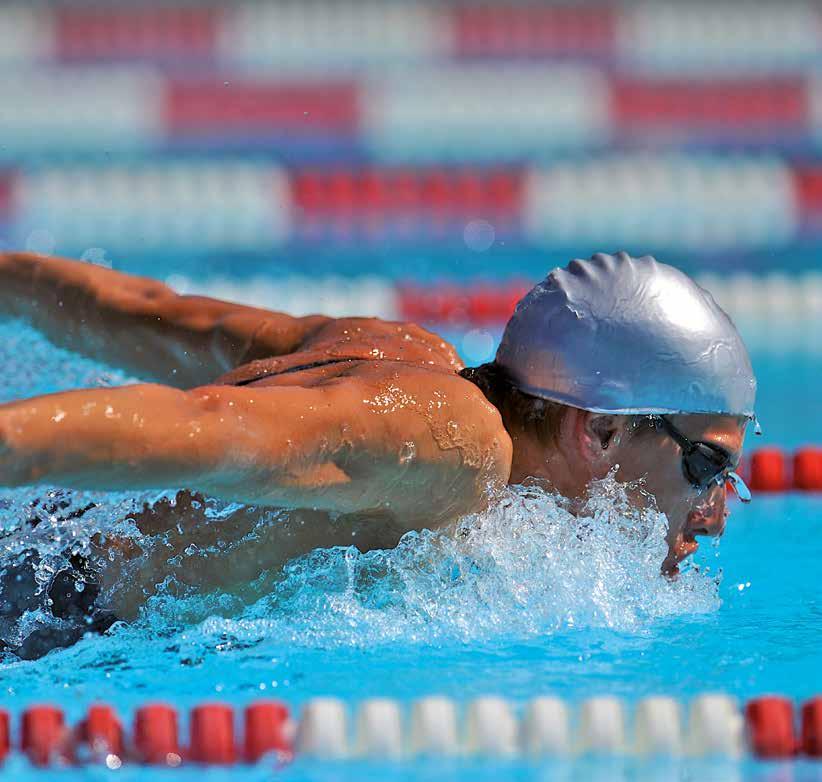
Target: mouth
[{"x": 682, "y": 548}]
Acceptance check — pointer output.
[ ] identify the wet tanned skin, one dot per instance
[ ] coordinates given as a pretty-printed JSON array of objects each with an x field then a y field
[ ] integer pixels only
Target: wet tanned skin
[{"x": 392, "y": 440}]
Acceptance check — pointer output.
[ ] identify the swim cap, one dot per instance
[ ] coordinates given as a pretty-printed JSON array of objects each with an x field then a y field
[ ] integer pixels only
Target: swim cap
[{"x": 625, "y": 335}]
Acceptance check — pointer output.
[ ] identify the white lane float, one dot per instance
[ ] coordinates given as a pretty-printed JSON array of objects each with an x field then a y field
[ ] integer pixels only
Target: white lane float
[
  {"x": 491, "y": 728},
  {"x": 379, "y": 729},
  {"x": 715, "y": 727},
  {"x": 322, "y": 731},
  {"x": 434, "y": 727},
  {"x": 601, "y": 727},
  {"x": 658, "y": 727},
  {"x": 545, "y": 729}
]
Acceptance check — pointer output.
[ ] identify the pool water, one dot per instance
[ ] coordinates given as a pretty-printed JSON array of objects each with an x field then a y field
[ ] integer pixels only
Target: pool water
[{"x": 527, "y": 603}]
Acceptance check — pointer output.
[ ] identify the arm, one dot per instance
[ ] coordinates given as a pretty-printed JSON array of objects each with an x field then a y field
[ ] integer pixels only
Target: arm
[
  {"x": 140, "y": 324},
  {"x": 339, "y": 446}
]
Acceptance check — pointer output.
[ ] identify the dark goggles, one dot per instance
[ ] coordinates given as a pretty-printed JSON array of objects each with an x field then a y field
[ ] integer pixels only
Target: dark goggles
[{"x": 704, "y": 463}]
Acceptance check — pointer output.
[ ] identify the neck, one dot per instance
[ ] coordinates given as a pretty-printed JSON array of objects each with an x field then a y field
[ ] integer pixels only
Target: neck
[{"x": 553, "y": 468}]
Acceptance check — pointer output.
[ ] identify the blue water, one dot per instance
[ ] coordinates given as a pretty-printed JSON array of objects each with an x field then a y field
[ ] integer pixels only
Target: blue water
[{"x": 521, "y": 606}]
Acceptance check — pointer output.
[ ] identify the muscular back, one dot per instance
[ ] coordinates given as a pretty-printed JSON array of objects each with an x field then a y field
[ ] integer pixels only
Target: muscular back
[
  {"x": 397, "y": 387},
  {"x": 355, "y": 415}
]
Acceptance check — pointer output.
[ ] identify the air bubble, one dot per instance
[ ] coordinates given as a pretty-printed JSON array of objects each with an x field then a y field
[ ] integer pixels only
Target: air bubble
[{"x": 479, "y": 235}]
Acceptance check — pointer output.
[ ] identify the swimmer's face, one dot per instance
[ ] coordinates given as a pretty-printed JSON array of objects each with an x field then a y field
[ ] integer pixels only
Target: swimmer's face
[
  {"x": 653, "y": 456},
  {"x": 589, "y": 445}
]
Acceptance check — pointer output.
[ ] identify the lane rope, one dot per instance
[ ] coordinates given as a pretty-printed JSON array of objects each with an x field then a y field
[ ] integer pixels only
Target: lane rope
[{"x": 433, "y": 726}]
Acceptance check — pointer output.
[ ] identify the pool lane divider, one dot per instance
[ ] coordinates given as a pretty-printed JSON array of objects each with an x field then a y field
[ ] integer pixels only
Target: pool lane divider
[
  {"x": 775, "y": 310},
  {"x": 767, "y": 727},
  {"x": 773, "y": 470}
]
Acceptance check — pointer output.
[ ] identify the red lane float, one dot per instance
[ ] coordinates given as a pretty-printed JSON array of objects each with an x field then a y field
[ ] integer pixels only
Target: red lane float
[
  {"x": 811, "y": 740},
  {"x": 426, "y": 205},
  {"x": 771, "y": 470},
  {"x": 768, "y": 470},
  {"x": 7, "y": 189},
  {"x": 435, "y": 192},
  {"x": 770, "y": 724},
  {"x": 265, "y": 730},
  {"x": 42, "y": 734},
  {"x": 481, "y": 305},
  {"x": 5, "y": 735},
  {"x": 156, "y": 736},
  {"x": 102, "y": 731},
  {"x": 152, "y": 34},
  {"x": 534, "y": 31},
  {"x": 745, "y": 104},
  {"x": 212, "y": 735},
  {"x": 200, "y": 105},
  {"x": 807, "y": 469}
]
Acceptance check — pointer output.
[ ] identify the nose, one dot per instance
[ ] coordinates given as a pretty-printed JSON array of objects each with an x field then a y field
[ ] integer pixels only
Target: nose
[{"x": 709, "y": 517}]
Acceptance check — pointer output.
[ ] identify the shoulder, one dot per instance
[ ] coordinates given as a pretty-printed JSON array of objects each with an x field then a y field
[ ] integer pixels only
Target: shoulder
[
  {"x": 448, "y": 411},
  {"x": 430, "y": 443},
  {"x": 384, "y": 339},
  {"x": 333, "y": 342}
]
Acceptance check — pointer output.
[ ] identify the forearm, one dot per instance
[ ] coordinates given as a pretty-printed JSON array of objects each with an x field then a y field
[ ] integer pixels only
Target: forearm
[
  {"x": 140, "y": 324},
  {"x": 134, "y": 437},
  {"x": 78, "y": 305},
  {"x": 210, "y": 439}
]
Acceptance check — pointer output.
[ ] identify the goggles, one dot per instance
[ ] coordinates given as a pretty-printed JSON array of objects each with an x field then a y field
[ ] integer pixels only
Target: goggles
[{"x": 704, "y": 463}]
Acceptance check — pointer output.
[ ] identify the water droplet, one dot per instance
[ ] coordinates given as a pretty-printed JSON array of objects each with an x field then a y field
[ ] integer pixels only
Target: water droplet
[
  {"x": 97, "y": 256},
  {"x": 477, "y": 345},
  {"x": 408, "y": 452},
  {"x": 113, "y": 762},
  {"x": 479, "y": 235},
  {"x": 41, "y": 241}
]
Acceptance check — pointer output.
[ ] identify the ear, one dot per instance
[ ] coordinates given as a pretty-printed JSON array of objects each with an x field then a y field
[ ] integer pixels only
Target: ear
[{"x": 598, "y": 436}]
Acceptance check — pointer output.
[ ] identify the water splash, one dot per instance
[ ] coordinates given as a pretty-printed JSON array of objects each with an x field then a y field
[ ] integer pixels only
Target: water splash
[{"x": 524, "y": 568}]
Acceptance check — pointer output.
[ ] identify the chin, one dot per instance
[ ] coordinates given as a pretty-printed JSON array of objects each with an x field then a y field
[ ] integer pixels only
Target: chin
[{"x": 683, "y": 547}]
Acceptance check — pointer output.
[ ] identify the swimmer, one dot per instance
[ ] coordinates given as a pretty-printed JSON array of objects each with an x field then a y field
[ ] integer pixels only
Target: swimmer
[{"x": 364, "y": 428}]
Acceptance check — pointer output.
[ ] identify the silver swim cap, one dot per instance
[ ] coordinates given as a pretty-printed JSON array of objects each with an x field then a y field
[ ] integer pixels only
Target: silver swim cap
[{"x": 627, "y": 335}]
